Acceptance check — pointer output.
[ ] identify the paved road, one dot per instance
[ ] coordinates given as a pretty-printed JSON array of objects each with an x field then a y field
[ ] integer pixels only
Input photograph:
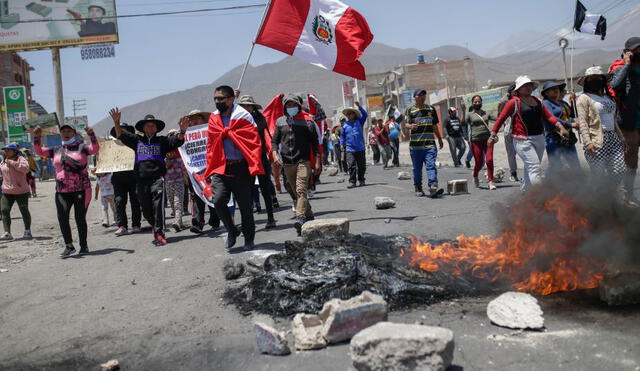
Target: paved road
[{"x": 158, "y": 308}]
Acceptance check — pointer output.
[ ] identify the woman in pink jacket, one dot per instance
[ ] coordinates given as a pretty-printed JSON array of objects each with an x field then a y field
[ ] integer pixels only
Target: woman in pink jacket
[
  {"x": 73, "y": 187},
  {"x": 15, "y": 189}
]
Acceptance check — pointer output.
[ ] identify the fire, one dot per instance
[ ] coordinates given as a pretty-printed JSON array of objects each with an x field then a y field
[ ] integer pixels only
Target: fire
[{"x": 536, "y": 252}]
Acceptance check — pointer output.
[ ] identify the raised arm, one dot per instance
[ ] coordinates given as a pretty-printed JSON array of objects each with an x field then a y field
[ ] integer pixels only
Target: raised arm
[
  {"x": 39, "y": 149},
  {"x": 94, "y": 145},
  {"x": 363, "y": 114}
]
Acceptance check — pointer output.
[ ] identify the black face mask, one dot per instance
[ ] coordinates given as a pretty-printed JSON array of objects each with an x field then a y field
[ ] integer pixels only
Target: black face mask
[
  {"x": 635, "y": 58},
  {"x": 477, "y": 106},
  {"x": 222, "y": 107},
  {"x": 594, "y": 85}
]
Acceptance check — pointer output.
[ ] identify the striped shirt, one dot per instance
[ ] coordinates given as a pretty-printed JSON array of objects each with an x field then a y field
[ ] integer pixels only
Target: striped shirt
[{"x": 422, "y": 136}]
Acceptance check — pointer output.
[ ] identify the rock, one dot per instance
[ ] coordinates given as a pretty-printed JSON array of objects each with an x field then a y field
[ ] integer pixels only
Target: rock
[
  {"x": 3, "y": 270},
  {"x": 307, "y": 332},
  {"x": 404, "y": 175},
  {"x": 270, "y": 341},
  {"x": 384, "y": 203},
  {"x": 232, "y": 270},
  {"x": 498, "y": 175},
  {"x": 112, "y": 365},
  {"x": 325, "y": 228},
  {"x": 458, "y": 186},
  {"x": 332, "y": 171},
  {"x": 341, "y": 180},
  {"x": 397, "y": 346},
  {"x": 344, "y": 318},
  {"x": 516, "y": 310},
  {"x": 387, "y": 221},
  {"x": 622, "y": 288}
]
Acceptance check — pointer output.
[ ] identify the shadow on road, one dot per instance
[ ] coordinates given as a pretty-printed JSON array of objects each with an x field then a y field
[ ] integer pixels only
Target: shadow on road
[
  {"x": 103, "y": 252},
  {"x": 403, "y": 218}
]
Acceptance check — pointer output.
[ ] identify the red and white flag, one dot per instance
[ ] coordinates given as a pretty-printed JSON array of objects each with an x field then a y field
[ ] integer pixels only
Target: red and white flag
[{"x": 325, "y": 33}]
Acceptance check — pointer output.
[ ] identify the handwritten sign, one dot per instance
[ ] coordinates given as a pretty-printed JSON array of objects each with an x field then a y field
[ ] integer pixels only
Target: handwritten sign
[{"x": 114, "y": 157}]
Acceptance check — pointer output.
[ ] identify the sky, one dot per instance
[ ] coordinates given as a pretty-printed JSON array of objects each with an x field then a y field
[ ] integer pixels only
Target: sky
[{"x": 162, "y": 54}]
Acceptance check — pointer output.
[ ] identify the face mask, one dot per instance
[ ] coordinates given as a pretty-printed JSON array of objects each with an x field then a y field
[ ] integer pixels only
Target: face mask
[
  {"x": 293, "y": 111},
  {"x": 635, "y": 58},
  {"x": 477, "y": 106},
  {"x": 222, "y": 107},
  {"x": 69, "y": 142}
]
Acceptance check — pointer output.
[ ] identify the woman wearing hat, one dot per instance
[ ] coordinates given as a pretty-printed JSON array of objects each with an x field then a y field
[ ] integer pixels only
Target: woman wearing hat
[
  {"x": 602, "y": 139},
  {"x": 15, "y": 189},
  {"x": 34, "y": 169},
  {"x": 124, "y": 186},
  {"x": 527, "y": 120},
  {"x": 560, "y": 150},
  {"x": 73, "y": 187}
]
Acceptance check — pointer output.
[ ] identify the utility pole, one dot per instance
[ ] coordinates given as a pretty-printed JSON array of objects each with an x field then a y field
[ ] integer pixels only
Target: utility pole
[
  {"x": 79, "y": 105},
  {"x": 57, "y": 79}
]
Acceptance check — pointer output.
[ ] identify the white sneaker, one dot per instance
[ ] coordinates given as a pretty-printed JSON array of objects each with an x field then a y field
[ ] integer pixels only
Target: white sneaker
[
  {"x": 310, "y": 193},
  {"x": 6, "y": 237},
  {"x": 492, "y": 186}
]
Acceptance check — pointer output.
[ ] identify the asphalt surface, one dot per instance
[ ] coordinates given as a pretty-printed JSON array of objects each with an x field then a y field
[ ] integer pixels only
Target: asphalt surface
[{"x": 160, "y": 308}]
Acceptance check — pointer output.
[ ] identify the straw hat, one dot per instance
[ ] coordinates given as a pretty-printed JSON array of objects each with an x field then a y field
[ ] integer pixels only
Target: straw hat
[
  {"x": 591, "y": 71},
  {"x": 248, "y": 100},
  {"x": 346, "y": 111}
]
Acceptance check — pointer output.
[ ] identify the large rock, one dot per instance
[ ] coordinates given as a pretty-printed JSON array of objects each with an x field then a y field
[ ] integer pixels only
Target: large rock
[
  {"x": 400, "y": 347},
  {"x": 332, "y": 171},
  {"x": 270, "y": 341},
  {"x": 457, "y": 187},
  {"x": 384, "y": 203},
  {"x": 232, "y": 269},
  {"x": 344, "y": 318},
  {"x": 621, "y": 288},
  {"x": 325, "y": 228},
  {"x": 307, "y": 332},
  {"x": 404, "y": 175},
  {"x": 516, "y": 310}
]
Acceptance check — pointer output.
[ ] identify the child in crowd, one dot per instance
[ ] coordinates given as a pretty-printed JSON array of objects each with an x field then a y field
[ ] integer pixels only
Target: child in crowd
[
  {"x": 174, "y": 181},
  {"x": 104, "y": 188}
]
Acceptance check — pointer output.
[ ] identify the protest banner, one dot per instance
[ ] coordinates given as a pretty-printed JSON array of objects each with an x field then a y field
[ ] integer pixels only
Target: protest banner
[{"x": 114, "y": 157}]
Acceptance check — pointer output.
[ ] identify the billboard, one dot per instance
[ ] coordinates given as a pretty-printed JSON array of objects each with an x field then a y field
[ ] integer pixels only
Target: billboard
[
  {"x": 374, "y": 103},
  {"x": 39, "y": 24},
  {"x": 79, "y": 122},
  {"x": 15, "y": 103},
  {"x": 490, "y": 98}
]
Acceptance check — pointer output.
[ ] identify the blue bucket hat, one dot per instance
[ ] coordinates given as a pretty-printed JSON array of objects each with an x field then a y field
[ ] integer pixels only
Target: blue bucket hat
[{"x": 12, "y": 146}]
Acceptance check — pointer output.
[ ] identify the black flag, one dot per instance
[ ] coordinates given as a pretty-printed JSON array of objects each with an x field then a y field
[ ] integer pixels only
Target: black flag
[{"x": 594, "y": 24}]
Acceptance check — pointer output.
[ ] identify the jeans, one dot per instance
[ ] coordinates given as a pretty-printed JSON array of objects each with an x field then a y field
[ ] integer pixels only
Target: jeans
[
  {"x": 151, "y": 197},
  {"x": 298, "y": 178},
  {"x": 470, "y": 153},
  {"x": 357, "y": 165},
  {"x": 6, "y": 203},
  {"x": 386, "y": 153},
  {"x": 64, "y": 203},
  {"x": 530, "y": 151},
  {"x": 511, "y": 154},
  {"x": 376, "y": 153},
  {"x": 561, "y": 157},
  {"x": 239, "y": 181},
  {"x": 457, "y": 147},
  {"x": 124, "y": 185},
  {"x": 482, "y": 152},
  {"x": 395, "y": 146},
  {"x": 426, "y": 156}
]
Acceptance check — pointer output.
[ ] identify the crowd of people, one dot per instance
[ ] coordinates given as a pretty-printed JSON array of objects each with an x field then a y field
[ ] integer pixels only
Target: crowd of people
[{"x": 252, "y": 152}]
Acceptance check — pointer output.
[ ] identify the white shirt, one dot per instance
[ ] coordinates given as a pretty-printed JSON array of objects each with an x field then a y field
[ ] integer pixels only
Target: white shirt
[{"x": 607, "y": 110}]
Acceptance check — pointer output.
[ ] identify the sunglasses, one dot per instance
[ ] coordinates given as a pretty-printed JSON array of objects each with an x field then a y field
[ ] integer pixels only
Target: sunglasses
[{"x": 220, "y": 99}]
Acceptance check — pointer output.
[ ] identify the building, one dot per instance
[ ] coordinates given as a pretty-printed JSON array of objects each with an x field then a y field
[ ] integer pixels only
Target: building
[{"x": 15, "y": 71}]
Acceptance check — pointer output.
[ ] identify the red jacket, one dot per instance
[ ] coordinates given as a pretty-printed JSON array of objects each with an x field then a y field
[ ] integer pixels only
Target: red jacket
[
  {"x": 244, "y": 134},
  {"x": 519, "y": 130}
]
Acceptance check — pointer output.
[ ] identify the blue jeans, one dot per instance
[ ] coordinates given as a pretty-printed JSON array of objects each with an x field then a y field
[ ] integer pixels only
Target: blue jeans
[
  {"x": 561, "y": 157},
  {"x": 426, "y": 156}
]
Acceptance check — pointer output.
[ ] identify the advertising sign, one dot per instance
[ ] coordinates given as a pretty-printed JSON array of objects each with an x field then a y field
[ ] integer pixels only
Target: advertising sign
[
  {"x": 97, "y": 51},
  {"x": 40, "y": 24},
  {"x": 114, "y": 157},
  {"x": 490, "y": 99},
  {"x": 375, "y": 103},
  {"x": 44, "y": 121},
  {"x": 15, "y": 102},
  {"x": 79, "y": 122}
]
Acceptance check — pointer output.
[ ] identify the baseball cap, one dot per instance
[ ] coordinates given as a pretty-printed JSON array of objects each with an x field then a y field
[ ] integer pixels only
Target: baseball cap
[
  {"x": 632, "y": 43},
  {"x": 419, "y": 92}
]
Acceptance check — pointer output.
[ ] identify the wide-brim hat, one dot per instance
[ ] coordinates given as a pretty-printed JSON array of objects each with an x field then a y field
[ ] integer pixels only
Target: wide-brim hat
[
  {"x": 248, "y": 100},
  {"x": 632, "y": 43},
  {"x": 591, "y": 71},
  {"x": 150, "y": 118},
  {"x": 346, "y": 111},
  {"x": 11, "y": 146},
  {"x": 552, "y": 84},
  {"x": 524, "y": 80},
  {"x": 124, "y": 126}
]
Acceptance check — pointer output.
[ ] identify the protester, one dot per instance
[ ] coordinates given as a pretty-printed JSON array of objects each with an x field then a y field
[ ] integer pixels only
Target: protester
[
  {"x": 454, "y": 134},
  {"x": 124, "y": 187},
  {"x": 561, "y": 151},
  {"x": 175, "y": 179},
  {"x": 374, "y": 146},
  {"x": 352, "y": 141},
  {"x": 478, "y": 122},
  {"x": 73, "y": 187},
  {"x": 150, "y": 168},
  {"x": 330, "y": 149},
  {"x": 422, "y": 123},
  {"x": 394, "y": 138},
  {"x": 508, "y": 137},
  {"x": 603, "y": 141},
  {"x": 264, "y": 180},
  {"x": 15, "y": 188},
  {"x": 337, "y": 148},
  {"x": 234, "y": 158},
  {"x": 34, "y": 169},
  {"x": 625, "y": 87},
  {"x": 104, "y": 189},
  {"x": 527, "y": 119},
  {"x": 296, "y": 139},
  {"x": 327, "y": 148},
  {"x": 384, "y": 144}
]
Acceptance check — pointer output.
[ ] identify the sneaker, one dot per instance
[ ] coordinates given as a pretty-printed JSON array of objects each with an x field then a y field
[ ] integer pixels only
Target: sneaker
[
  {"x": 362, "y": 184},
  {"x": 6, "y": 237},
  {"x": 311, "y": 193},
  {"x": 276, "y": 204},
  {"x": 195, "y": 229},
  {"x": 160, "y": 240},
  {"x": 492, "y": 186},
  {"x": 418, "y": 190},
  {"x": 83, "y": 251},
  {"x": 630, "y": 203},
  {"x": 271, "y": 224},
  {"x": 231, "y": 238},
  {"x": 68, "y": 250},
  {"x": 351, "y": 185},
  {"x": 121, "y": 231},
  {"x": 514, "y": 178},
  {"x": 27, "y": 235},
  {"x": 467, "y": 164},
  {"x": 476, "y": 182},
  {"x": 434, "y": 191},
  {"x": 249, "y": 245},
  {"x": 177, "y": 227},
  {"x": 293, "y": 207},
  {"x": 105, "y": 224},
  {"x": 136, "y": 229},
  {"x": 298, "y": 225},
  {"x": 257, "y": 209}
]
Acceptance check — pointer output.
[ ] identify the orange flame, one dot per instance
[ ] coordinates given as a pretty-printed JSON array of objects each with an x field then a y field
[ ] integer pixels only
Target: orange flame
[{"x": 537, "y": 253}]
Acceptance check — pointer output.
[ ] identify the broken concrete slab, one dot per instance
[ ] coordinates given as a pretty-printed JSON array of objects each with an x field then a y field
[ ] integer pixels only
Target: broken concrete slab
[
  {"x": 232, "y": 270},
  {"x": 332, "y": 171},
  {"x": 384, "y": 203},
  {"x": 344, "y": 318},
  {"x": 112, "y": 365},
  {"x": 337, "y": 228},
  {"x": 457, "y": 187},
  {"x": 398, "y": 346},
  {"x": 270, "y": 340},
  {"x": 622, "y": 288},
  {"x": 404, "y": 175},
  {"x": 307, "y": 332},
  {"x": 516, "y": 310}
]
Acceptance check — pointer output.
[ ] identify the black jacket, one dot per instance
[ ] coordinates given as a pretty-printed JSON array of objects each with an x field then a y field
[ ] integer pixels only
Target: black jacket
[
  {"x": 150, "y": 153},
  {"x": 296, "y": 139}
]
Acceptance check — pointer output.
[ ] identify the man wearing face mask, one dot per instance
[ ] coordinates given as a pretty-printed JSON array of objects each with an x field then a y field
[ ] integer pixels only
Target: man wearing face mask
[
  {"x": 296, "y": 137},
  {"x": 624, "y": 86}
]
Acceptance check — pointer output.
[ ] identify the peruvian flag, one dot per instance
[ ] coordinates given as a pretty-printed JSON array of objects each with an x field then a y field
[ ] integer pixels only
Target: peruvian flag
[{"x": 325, "y": 33}]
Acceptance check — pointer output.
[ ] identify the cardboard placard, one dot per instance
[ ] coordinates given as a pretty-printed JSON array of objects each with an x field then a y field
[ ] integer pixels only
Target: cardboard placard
[{"x": 114, "y": 157}]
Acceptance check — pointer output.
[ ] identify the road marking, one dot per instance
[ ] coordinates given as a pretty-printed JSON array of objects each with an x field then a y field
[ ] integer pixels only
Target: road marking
[{"x": 388, "y": 186}]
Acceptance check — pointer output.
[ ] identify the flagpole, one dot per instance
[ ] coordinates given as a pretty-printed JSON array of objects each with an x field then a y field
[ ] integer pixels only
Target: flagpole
[
  {"x": 573, "y": 37},
  {"x": 253, "y": 44}
]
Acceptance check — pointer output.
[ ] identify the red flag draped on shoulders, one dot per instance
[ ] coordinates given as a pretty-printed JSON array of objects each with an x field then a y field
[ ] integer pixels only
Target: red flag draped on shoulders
[{"x": 243, "y": 133}]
